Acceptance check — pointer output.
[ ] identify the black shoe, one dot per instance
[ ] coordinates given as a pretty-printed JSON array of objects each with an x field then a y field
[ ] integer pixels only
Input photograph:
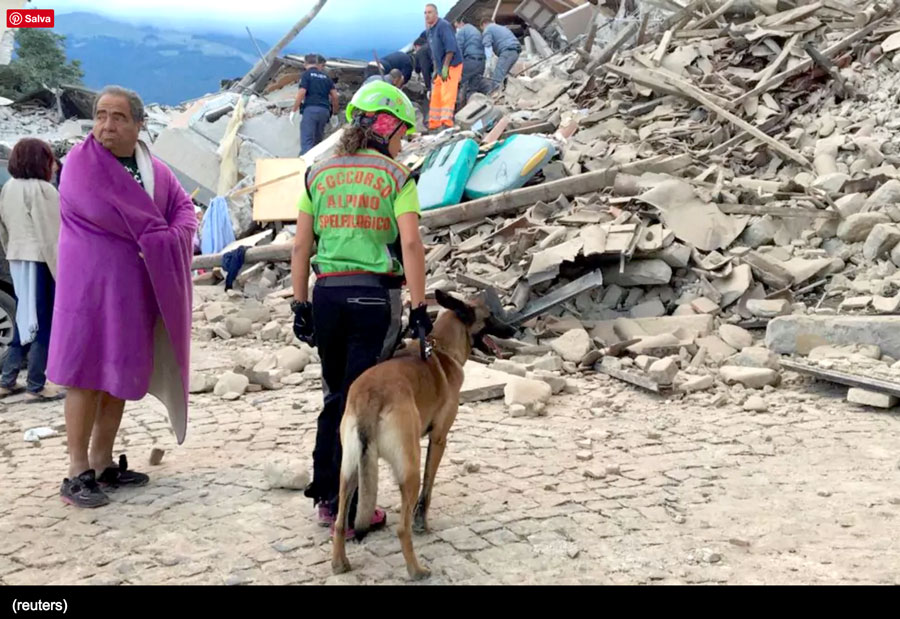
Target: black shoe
[
  {"x": 83, "y": 491},
  {"x": 114, "y": 477}
]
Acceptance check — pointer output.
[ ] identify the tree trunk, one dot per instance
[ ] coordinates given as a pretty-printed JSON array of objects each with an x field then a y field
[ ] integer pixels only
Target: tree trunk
[{"x": 260, "y": 66}]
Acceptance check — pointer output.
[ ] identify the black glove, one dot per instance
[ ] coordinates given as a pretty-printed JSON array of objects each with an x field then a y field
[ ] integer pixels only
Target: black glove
[
  {"x": 303, "y": 322},
  {"x": 418, "y": 317}
]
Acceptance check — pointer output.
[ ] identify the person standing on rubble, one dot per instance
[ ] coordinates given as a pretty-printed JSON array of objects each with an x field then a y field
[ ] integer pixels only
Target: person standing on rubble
[
  {"x": 361, "y": 207},
  {"x": 122, "y": 313},
  {"x": 472, "y": 45},
  {"x": 501, "y": 41},
  {"x": 316, "y": 100},
  {"x": 29, "y": 231},
  {"x": 448, "y": 65}
]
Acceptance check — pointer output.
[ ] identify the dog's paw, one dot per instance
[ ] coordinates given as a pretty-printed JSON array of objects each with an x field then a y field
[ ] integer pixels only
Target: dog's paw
[
  {"x": 420, "y": 574},
  {"x": 340, "y": 566}
]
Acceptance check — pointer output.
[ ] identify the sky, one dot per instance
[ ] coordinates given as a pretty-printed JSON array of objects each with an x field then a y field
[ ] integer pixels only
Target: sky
[{"x": 268, "y": 17}]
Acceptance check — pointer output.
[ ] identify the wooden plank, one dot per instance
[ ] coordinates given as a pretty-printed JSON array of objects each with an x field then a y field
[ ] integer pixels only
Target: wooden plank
[
  {"x": 792, "y": 15},
  {"x": 692, "y": 92},
  {"x": 776, "y": 211},
  {"x": 843, "y": 378},
  {"x": 768, "y": 72},
  {"x": 436, "y": 254},
  {"x": 279, "y": 183},
  {"x": 581, "y": 184},
  {"x": 712, "y": 17},
  {"x": 610, "y": 50},
  {"x": 660, "y": 52},
  {"x": 808, "y": 63},
  {"x": 269, "y": 253}
]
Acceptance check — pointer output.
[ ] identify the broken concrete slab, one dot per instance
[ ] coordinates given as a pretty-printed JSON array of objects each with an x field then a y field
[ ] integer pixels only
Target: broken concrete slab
[
  {"x": 716, "y": 348},
  {"x": 230, "y": 383},
  {"x": 798, "y": 335},
  {"x": 857, "y": 227},
  {"x": 664, "y": 371},
  {"x": 850, "y": 204},
  {"x": 752, "y": 378},
  {"x": 886, "y": 305},
  {"x": 531, "y": 394},
  {"x": 703, "y": 305},
  {"x": 856, "y": 303},
  {"x": 769, "y": 270},
  {"x": 733, "y": 287},
  {"x": 697, "y": 383},
  {"x": 692, "y": 220},
  {"x": 623, "y": 329},
  {"x": 881, "y": 241},
  {"x": 736, "y": 337},
  {"x": 639, "y": 273},
  {"x": 676, "y": 255},
  {"x": 755, "y": 357},
  {"x": 871, "y": 398},
  {"x": 769, "y": 308},
  {"x": 803, "y": 270},
  {"x": 276, "y": 134},
  {"x": 545, "y": 264},
  {"x": 573, "y": 345},
  {"x": 886, "y": 195},
  {"x": 192, "y": 158},
  {"x": 482, "y": 383},
  {"x": 649, "y": 309}
]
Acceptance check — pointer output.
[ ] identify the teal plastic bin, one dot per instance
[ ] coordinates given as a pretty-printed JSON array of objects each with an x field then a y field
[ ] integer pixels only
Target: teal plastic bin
[
  {"x": 510, "y": 165},
  {"x": 445, "y": 173}
]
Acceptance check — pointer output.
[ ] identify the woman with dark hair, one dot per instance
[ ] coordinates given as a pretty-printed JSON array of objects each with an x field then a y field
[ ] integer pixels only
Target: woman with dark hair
[
  {"x": 361, "y": 208},
  {"x": 29, "y": 231}
]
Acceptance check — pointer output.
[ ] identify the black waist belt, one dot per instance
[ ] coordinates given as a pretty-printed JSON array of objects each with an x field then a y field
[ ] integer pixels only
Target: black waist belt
[{"x": 364, "y": 280}]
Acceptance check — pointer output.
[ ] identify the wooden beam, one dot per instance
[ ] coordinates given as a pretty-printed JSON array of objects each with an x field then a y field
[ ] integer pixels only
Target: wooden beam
[
  {"x": 692, "y": 92},
  {"x": 573, "y": 186},
  {"x": 268, "y": 253},
  {"x": 776, "y": 211},
  {"x": 808, "y": 63},
  {"x": 768, "y": 72},
  {"x": 792, "y": 15},
  {"x": 610, "y": 50},
  {"x": 712, "y": 17},
  {"x": 660, "y": 52}
]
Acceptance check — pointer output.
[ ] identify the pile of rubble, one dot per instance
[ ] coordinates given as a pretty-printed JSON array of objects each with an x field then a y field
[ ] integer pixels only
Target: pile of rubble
[
  {"x": 719, "y": 173},
  {"x": 277, "y": 360}
]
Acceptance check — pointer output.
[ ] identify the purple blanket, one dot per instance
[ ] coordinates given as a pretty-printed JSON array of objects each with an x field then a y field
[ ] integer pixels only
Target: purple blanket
[{"x": 122, "y": 318}]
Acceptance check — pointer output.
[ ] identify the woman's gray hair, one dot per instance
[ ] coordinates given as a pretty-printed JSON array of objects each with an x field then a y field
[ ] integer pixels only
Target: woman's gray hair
[{"x": 134, "y": 100}]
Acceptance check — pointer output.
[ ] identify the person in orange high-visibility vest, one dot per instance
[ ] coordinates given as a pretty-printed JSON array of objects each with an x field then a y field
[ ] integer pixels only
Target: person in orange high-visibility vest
[
  {"x": 361, "y": 207},
  {"x": 448, "y": 69}
]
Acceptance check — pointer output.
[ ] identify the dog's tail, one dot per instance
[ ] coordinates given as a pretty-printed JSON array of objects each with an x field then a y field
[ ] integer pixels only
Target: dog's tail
[{"x": 368, "y": 482}]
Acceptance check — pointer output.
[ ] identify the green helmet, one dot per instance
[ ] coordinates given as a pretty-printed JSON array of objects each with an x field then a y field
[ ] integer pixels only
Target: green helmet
[{"x": 379, "y": 96}]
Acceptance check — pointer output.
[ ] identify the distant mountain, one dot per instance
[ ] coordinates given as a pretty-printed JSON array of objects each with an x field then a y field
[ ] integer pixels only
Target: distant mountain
[{"x": 164, "y": 66}]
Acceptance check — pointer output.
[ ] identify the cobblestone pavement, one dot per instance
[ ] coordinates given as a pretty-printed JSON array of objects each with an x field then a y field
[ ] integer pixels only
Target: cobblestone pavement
[{"x": 614, "y": 486}]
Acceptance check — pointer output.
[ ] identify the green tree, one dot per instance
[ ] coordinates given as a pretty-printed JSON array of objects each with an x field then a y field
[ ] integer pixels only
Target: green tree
[{"x": 40, "y": 61}]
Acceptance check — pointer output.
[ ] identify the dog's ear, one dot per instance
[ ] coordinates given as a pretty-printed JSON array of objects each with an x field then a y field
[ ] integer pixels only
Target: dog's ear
[{"x": 463, "y": 311}]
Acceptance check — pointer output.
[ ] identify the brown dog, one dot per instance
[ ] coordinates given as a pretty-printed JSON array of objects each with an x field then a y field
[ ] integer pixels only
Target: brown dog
[{"x": 390, "y": 407}]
